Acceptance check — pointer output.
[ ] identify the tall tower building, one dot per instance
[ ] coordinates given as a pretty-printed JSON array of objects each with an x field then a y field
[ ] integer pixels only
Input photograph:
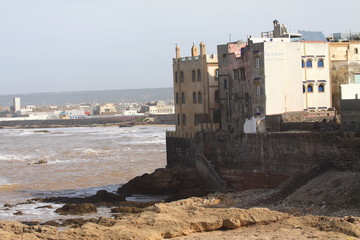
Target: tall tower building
[
  {"x": 196, "y": 91},
  {"x": 16, "y": 104}
]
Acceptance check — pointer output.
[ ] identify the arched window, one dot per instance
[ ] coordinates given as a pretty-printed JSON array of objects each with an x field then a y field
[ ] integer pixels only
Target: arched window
[
  {"x": 176, "y": 77},
  {"x": 309, "y": 63},
  {"x": 178, "y": 119},
  {"x": 217, "y": 96},
  {"x": 199, "y": 97},
  {"x": 184, "y": 119},
  {"x": 194, "y": 97},
  {"x": 302, "y": 63},
  {"x": 183, "y": 98},
  {"x": 304, "y": 88},
  {"x": 198, "y": 75},
  {"x": 321, "y": 88},
  {"x": 177, "y": 98},
  {"x": 310, "y": 88},
  {"x": 193, "y": 75},
  {"x": 181, "y": 76},
  {"x": 321, "y": 63}
]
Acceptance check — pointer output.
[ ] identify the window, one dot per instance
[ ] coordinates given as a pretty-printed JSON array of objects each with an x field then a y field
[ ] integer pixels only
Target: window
[
  {"x": 304, "y": 88},
  {"x": 302, "y": 63},
  {"x": 176, "y": 77},
  {"x": 310, "y": 88},
  {"x": 225, "y": 83},
  {"x": 309, "y": 63},
  {"x": 195, "y": 120},
  {"x": 321, "y": 63},
  {"x": 236, "y": 74},
  {"x": 184, "y": 119},
  {"x": 321, "y": 88},
  {"x": 181, "y": 76},
  {"x": 178, "y": 119},
  {"x": 199, "y": 97},
  {"x": 194, "y": 97},
  {"x": 217, "y": 96},
  {"x": 258, "y": 110},
  {"x": 356, "y": 51},
  {"x": 258, "y": 90},
  {"x": 183, "y": 98},
  {"x": 257, "y": 62},
  {"x": 193, "y": 76},
  {"x": 242, "y": 73},
  {"x": 356, "y": 78},
  {"x": 198, "y": 75},
  {"x": 217, "y": 74},
  {"x": 177, "y": 98}
]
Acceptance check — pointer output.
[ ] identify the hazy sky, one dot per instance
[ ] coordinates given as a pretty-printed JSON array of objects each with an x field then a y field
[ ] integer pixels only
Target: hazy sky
[{"x": 76, "y": 45}]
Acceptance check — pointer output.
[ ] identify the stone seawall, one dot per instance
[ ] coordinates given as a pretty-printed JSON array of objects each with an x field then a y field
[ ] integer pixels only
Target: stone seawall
[
  {"x": 265, "y": 160},
  {"x": 67, "y": 122}
]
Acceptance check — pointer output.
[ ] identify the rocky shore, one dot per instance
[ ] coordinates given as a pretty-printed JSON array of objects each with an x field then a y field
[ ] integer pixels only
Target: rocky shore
[{"x": 326, "y": 207}]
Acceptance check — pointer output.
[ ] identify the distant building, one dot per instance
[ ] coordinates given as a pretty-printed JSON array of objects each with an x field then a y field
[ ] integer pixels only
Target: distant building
[
  {"x": 16, "y": 104},
  {"x": 132, "y": 111},
  {"x": 344, "y": 67},
  {"x": 160, "y": 108},
  {"x": 196, "y": 91},
  {"x": 346, "y": 37},
  {"x": 264, "y": 78},
  {"x": 72, "y": 114},
  {"x": 350, "y": 107},
  {"x": 106, "y": 109}
]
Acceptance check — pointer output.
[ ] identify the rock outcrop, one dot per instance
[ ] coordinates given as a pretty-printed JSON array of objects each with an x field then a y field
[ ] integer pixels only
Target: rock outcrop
[
  {"x": 177, "y": 183},
  {"x": 184, "y": 217},
  {"x": 76, "y": 209}
]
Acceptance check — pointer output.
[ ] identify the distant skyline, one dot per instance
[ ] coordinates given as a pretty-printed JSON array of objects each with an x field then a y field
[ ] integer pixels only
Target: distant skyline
[{"x": 87, "y": 45}]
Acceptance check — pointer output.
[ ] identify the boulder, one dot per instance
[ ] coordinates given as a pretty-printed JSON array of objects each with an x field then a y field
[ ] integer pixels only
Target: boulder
[
  {"x": 177, "y": 183},
  {"x": 76, "y": 209}
]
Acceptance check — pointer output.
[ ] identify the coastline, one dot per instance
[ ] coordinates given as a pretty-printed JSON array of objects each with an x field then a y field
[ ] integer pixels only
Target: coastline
[{"x": 251, "y": 214}]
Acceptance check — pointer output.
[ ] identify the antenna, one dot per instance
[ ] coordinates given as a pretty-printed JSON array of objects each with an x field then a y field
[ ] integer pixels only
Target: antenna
[{"x": 229, "y": 37}]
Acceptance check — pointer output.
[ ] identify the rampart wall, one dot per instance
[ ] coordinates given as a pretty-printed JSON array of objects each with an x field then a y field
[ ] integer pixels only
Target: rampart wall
[{"x": 265, "y": 160}]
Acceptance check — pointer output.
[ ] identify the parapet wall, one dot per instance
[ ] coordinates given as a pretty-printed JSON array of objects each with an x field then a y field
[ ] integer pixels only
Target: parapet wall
[{"x": 265, "y": 160}]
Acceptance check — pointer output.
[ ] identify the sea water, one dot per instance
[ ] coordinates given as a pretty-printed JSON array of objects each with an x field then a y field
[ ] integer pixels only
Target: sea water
[{"x": 80, "y": 161}]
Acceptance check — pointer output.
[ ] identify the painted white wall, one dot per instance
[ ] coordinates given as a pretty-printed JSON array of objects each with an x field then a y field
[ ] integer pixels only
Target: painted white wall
[
  {"x": 283, "y": 84},
  {"x": 317, "y": 99},
  {"x": 349, "y": 91}
]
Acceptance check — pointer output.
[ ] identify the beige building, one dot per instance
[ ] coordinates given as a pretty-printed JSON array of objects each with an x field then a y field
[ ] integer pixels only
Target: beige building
[
  {"x": 195, "y": 91},
  {"x": 344, "y": 67},
  {"x": 106, "y": 109},
  {"x": 161, "y": 108}
]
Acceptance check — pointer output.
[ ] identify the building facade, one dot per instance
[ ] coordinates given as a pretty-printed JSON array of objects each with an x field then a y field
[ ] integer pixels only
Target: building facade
[
  {"x": 161, "y": 108},
  {"x": 261, "y": 80},
  {"x": 195, "y": 91},
  {"x": 344, "y": 67},
  {"x": 16, "y": 104}
]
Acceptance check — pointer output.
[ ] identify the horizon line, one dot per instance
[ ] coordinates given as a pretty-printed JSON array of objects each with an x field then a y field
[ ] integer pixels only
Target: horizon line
[{"x": 78, "y": 91}]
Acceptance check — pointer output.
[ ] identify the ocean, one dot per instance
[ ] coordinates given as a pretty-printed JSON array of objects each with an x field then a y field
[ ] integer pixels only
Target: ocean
[
  {"x": 113, "y": 96},
  {"x": 80, "y": 161}
]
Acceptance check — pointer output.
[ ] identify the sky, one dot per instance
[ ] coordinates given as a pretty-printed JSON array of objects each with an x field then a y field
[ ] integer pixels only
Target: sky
[{"x": 85, "y": 45}]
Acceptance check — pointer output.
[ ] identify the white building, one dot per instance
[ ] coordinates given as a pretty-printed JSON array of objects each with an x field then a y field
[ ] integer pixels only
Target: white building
[
  {"x": 265, "y": 78},
  {"x": 16, "y": 104}
]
